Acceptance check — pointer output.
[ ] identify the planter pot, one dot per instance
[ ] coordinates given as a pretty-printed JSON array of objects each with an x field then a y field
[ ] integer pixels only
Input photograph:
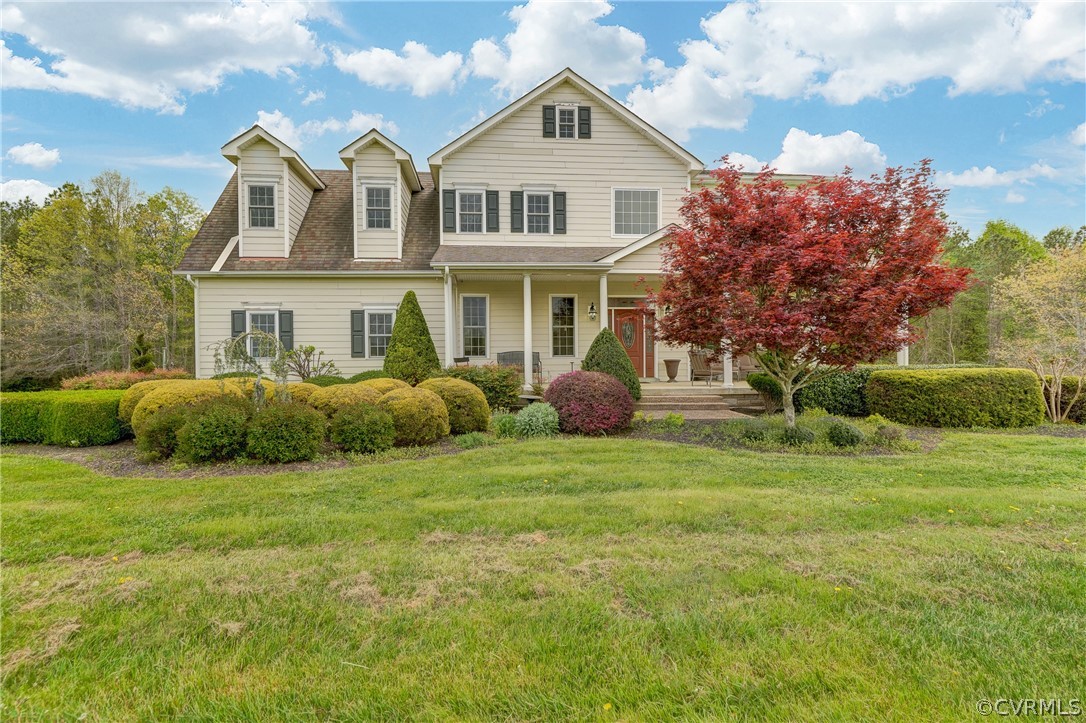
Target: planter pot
[{"x": 672, "y": 368}]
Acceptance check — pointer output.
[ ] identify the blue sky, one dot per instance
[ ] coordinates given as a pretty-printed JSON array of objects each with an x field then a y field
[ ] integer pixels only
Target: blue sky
[{"x": 994, "y": 93}]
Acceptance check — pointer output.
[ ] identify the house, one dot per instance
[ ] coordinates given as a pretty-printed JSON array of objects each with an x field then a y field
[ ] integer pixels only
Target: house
[{"x": 529, "y": 233}]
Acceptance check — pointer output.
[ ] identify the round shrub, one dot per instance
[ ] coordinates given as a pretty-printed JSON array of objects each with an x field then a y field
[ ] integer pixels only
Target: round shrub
[
  {"x": 371, "y": 374},
  {"x": 505, "y": 425},
  {"x": 384, "y": 385},
  {"x": 468, "y": 410},
  {"x": 178, "y": 393},
  {"x": 419, "y": 415},
  {"x": 332, "y": 399},
  {"x": 301, "y": 391},
  {"x": 538, "y": 420},
  {"x": 363, "y": 429},
  {"x": 607, "y": 355},
  {"x": 157, "y": 436},
  {"x": 286, "y": 433},
  {"x": 246, "y": 384},
  {"x": 754, "y": 430},
  {"x": 795, "y": 436},
  {"x": 134, "y": 394},
  {"x": 215, "y": 430},
  {"x": 842, "y": 434},
  {"x": 590, "y": 403},
  {"x": 326, "y": 380},
  {"x": 769, "y": 391},
  {"x": 502, "y": 386}
]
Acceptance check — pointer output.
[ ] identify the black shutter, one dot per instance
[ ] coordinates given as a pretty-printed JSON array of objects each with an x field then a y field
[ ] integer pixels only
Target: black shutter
[
  {"x": 516, "y": 207},
  {"x": 492, "y": 211},
  {"x": 549, "y": 124},
  {"x": 358, "y": 333},
  {"x": 584, "y": 121},
  {"x": 448, "y": 199},
  {"x": 237, "y": 323},
  {"x": 286, "y": 329},
  {"x": 560, "y": 212}
]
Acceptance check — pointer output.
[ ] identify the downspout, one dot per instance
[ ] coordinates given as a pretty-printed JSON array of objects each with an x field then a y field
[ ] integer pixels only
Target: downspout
[{"x": 195, "y": 324}]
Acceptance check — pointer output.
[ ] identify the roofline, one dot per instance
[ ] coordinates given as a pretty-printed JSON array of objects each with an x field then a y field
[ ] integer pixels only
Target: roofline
[
  {"x": 360, "y": 272},
  {"x": 568, "y": 74},
  {"x": 346, "y": 154},
  {"x": 641, "y": 243},
  {"x": 232, "y": 148},
  {"x": 491, "y": 265}
]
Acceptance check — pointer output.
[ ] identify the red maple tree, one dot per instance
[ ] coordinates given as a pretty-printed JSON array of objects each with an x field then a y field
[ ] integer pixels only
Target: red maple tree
[{"x": 807, "y": 279}]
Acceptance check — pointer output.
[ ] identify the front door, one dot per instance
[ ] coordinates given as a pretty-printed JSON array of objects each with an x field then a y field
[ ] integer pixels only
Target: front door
[{"x": 635, "y": 336}]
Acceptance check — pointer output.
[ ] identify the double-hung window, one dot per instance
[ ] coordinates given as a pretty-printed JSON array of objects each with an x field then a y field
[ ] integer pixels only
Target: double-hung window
[
  {"x": 563, "y": 325},
  {"x": 378, "y": 207},
  {"x": 267, "y": 322},
  {"x": 567, "y": 121},
  {"x": 636, "y": 211},
  {"x": 538, "y": 208},
  {"x": 262, "y": 206},
  {"x": 474, "y": 317},
  {"x": 378, "y": 331},
  {"x": 469, "y": 207}
]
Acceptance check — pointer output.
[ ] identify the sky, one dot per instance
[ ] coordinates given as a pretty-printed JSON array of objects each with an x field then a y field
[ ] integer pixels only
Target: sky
[{"x": 994, "y": 93}]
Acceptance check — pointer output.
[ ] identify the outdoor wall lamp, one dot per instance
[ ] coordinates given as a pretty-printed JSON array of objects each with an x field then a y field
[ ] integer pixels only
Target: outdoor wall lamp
[{"x": 592, "y": 311}]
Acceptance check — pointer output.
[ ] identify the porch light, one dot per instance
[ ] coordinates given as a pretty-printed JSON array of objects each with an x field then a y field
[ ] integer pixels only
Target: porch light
[{"x": 592, "y": 311}]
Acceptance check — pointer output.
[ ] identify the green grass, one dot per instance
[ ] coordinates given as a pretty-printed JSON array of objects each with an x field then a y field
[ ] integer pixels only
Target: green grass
[{"x": 562, "y": 579}]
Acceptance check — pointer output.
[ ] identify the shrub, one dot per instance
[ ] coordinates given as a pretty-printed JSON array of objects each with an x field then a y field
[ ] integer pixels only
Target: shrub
[
  {"x": 590, "y": 402},
  {"x": 673, "y": 420},
  {"x": 842, "y": 434},
  {"x": 607, "y": 355},
  {"x": 332, "y": 399},
  {"x": 121, "y": 380},
  {"x": 419, "y": 415},
  {"x": 538, "y": 420},
  {"x": 286, "y": 433},
  {"x": 301, "y": 391},
  {"x": 957, "y": 397},
  {"x": 411, "y": 355},
  {"x": 505, "y": 425},
  {"x": 215, "y": 430},
  {"x": 177, "y": 393},
  {"x": 796, "y": 436},
  {"x": 21, "y": 416},
  {"x": 246, "y": 385},
  {"x": 754, "y": 430},
  {"x": 468, "y": 410},
  {"x": 385, "y": 385},
  {"x": 157, "y": 437},
  {"x": 845, "y": 392},
  {"x": 769, "y": 390},
  {"x": 363, "y": 429},
  {"x": 371, "y": 374},
  {"x": 83, "y": 419},
  {"x": 326, "y": 380},
  {"x": 143, "y": 359},
  {"x": 500, "y": 385},
  {"x": 471, "y": 440},
  {"x": 134, "y": 394},
  {"x": 1077, "y": 412},
  {"x": 889, "y": 433},
  {"x": 235, "y": 375}
]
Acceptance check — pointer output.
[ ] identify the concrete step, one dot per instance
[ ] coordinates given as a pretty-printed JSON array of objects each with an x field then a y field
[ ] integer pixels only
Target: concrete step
[
  {"x": 697, "y": 390},
  {"x": 689, "y": 414}
]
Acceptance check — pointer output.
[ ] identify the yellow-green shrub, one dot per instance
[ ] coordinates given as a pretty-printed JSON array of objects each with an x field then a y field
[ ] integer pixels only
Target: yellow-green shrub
[
  {"x": 246, "y": 384},
  {"x": 135, "y": 393},
  {"x": 419, "y": 415},
  {"x": 468, "y": 410},
  {"x": 384, "y": 385},
  {"x": 334, "y": 398},
  {"x": 180, "y": 393},
  {"x": 301, "y": 391}
]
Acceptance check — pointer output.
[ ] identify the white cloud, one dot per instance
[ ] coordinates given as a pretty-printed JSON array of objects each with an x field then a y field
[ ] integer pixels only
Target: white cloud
[
  {"x": 182, "y": 161},
  {"x": 417, "y": 68},
  {"x": 989, "y": 177},
  {"x": 549, "y": 36},
  {"x": 1014, "y": 197},
  {"x": 152, "y": 55},
  {"x": 312, "y": 97},
  {"x": 691, "y": 99},
  {"x": 35, "y": 155},
  {"x": 1046, "y": 106},
  {"x": 1078, "y": 136},
  {"x": 803, "y": 152},
  {"x": 747, "y": 164},
  {"x": 17, "y": 189},
  {"x": 296, "y": 135}
]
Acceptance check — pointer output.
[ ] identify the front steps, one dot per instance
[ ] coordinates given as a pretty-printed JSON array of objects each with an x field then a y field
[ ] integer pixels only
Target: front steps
[{"x": 698, "y": 401}]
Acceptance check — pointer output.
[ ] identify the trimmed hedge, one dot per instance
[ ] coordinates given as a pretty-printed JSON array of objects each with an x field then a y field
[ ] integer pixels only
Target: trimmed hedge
[
  {"x": 607, "y": 355},
  {"x": 590, "y": 403},
  {"x": 500, "y": 385},
  {"x": 67, "y": 418},
  {"x": 384, "y": 385},
  {"x": 326, "y": 380},
  {"x": 420, "y": 415},
  {"x": 363, "y": 429},
  {"x": 844, "y": 392},
  {"x": 286, "y": 433},
  {"x": 468, "y": 410},
  {"x": 332, "y": 399},
  {"x": 177, "y": 393},
  {"x": 957, "y": 397},
  {"x": 411, "y": 355},
  {"x": 371, "y": 374},
  {"x": 21, "y": 416}
]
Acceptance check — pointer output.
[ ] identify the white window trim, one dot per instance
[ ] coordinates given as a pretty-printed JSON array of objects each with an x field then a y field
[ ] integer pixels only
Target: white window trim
[
  {"x": 659, "y": 210},
  {"x": 482, "y": 195},
  {"x": 460, "y": 326},
  {"x": 366, "y": 325},
  {"x": 550, "y": 204},
  {"x": 391, "y": 186},
  {"x": 249, "y": 311},
  {"x": 558, "y": 107},
  {"x": 550, "y": 326},
  {"x": 274, "y": 183}
]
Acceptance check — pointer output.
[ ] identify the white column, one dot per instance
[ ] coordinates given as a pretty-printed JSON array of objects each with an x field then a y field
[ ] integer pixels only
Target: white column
[
  {"x": 603, "y": 302},
  {"x": 903, "y": 356},
  {"x": 450, "y": 320},
  {"x": 527, "y": 332},
  {"x": 728, "y": 376}
]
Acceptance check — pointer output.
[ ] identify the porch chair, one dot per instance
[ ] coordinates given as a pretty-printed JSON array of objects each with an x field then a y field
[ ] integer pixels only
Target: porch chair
[
  {"x": 461, "y": 361},
  {"x": 700, "y": 368}
]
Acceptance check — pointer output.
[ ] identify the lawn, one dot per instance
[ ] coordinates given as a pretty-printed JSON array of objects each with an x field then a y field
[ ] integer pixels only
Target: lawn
[{"x": 552, "y": 580}]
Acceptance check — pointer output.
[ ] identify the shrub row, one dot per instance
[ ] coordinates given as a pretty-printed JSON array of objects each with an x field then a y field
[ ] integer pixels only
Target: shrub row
[
  {"x": 120, "y": 380},
  {"x": 957, "y": 397},
  {"x": 68, "y": 418}
]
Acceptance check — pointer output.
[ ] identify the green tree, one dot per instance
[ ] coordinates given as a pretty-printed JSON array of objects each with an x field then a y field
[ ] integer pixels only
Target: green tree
[
  {"x": 411, "y": 355},
  {"x": 607, "y": 355},
  {"x": 1063, "y": 238}
]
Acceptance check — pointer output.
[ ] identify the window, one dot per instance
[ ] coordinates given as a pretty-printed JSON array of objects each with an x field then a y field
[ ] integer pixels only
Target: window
[
  {"x": 378, "y": 331},
  {"x": 563, "y": 325},
  {"x": 262, "y": 206},
  {"x": 378, "y": 207},
  {"x": 470, "y": 210},
  {"x": 539, "y": 212},
  {"x": 637, "y": 212},
  {"x": 567, "y": 121},
  {"x": 473, "y": 311},
  {"x": 264, "y": 321}
]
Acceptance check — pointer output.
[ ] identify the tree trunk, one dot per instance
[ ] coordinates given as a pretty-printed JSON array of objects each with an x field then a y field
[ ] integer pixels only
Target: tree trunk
[{"x": 788, "y": 404}]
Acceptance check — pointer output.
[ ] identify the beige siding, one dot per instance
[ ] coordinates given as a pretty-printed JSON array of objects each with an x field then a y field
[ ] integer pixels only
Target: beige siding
[
  {"x": 514, "y": 153},
  {"x": 300, "y": 196},
  {"x": 322, "y": 311},
  {"x": 374, "y": 162},
  {"x": 646, "y": 259},
  {"x": 259, "y": 163}
]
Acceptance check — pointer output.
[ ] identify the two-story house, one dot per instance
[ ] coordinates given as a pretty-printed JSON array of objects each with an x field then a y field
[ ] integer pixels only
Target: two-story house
[{"x": 529, "y": 233}]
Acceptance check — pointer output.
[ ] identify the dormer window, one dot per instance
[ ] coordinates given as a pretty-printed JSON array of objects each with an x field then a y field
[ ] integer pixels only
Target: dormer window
[
  {"x": 261, "y": 206},
  {"x": 378, "y": 207},
  {"x": 567, "y": 121}
]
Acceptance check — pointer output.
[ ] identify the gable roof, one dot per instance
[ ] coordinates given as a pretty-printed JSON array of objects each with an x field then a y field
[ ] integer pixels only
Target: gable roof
[
  {"x": 568, "y": 76},
  {"x": 642, "y": 242},
  {"x": 231, "y": 150},
  {"x": 402, "y": 157}
]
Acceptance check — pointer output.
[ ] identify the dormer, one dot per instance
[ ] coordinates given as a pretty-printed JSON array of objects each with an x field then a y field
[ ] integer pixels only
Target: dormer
[
  {"x": 383, "y": 177},
  {"x": 275, "y": 187}
]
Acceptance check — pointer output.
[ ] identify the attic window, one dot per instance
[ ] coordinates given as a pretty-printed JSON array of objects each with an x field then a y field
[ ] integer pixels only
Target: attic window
[
  {"x": 261, "y": 206},
  {"x": 567, "y": 121}
]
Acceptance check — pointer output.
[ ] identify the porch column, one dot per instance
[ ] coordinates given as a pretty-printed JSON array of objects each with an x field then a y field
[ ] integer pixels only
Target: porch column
[
  {"x": 450, "y": 320},
  {"x": 728, "y": 376},
  {"x": 603, "y": 301},
  {"x": 527, "y": 332},
  {"x": 903, "y": 356}
]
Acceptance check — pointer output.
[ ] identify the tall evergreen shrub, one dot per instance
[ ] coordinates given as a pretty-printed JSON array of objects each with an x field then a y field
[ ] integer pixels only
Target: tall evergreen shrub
[{"x": 411, "y": 355}]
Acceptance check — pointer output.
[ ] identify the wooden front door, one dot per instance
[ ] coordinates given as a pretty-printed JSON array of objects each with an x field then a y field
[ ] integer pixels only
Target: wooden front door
[{"x": 635, "y": 336}]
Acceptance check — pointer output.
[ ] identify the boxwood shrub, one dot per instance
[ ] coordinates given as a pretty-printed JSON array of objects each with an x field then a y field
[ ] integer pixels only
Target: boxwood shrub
[
  {"x": 215, "y": 430},
  {"x": 957, "y": 397},
  {"x": 134, "y": 394},
  {"x": 363, "y": 429},
  {"x": 468, "y": 410},
  {"x": 367, "y": 375},
  {"x": 286, "y": 433},
  {"x": 842, "y": 434},
  {"x": 420, "y": 416},
  {"x": 301, "y": 391},
  {"x": 180, "y": 392},
  {"x": 67, "y": 418},
  {"x": 21, "y": 416},
  {"x": 607, "y": 355},
  {"x": 384, "y": 385},
  {"x": 157, "y": 437},
  {"x": 590, "y": 403},
  {"x": 332, "y": 399},
  {"x": 326, "y": 380},
  {"x": 500, "y": 385}
]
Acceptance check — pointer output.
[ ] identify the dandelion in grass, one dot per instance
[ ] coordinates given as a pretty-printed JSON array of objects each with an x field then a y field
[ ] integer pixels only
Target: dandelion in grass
[
  {"x": 951, "y": 511},
  {"x": 607, "y": 706}
]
